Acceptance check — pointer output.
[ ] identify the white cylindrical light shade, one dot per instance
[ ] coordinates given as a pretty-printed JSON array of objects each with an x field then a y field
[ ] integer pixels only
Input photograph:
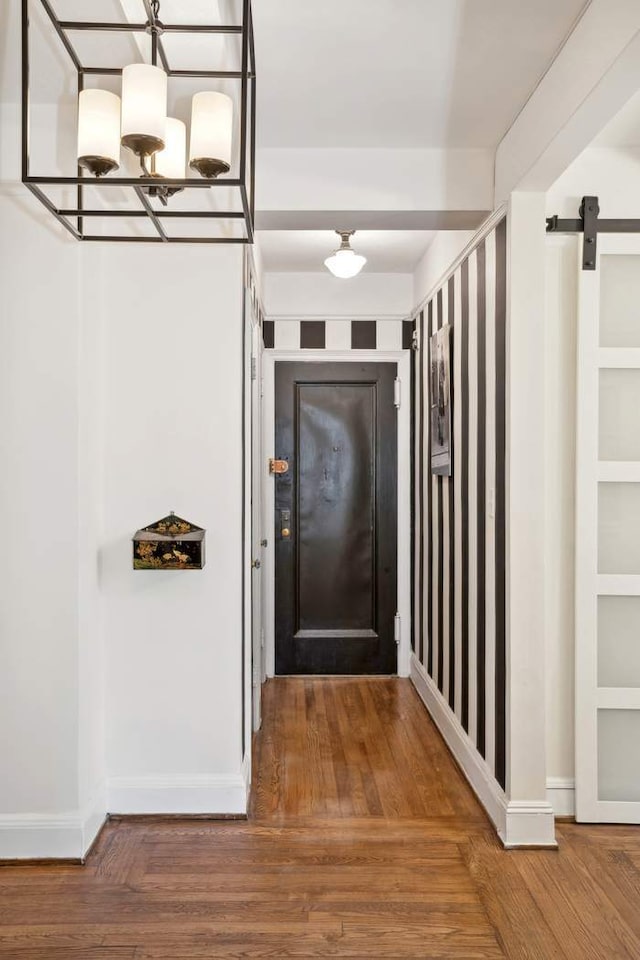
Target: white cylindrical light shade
[
  {"x": 171, "y": 161},
  {"x": 345, "y": 264},
  {"x": 144, "y": 102},
  {"x": 99, "y": 125},
  {"x": 211, "y": 127}
]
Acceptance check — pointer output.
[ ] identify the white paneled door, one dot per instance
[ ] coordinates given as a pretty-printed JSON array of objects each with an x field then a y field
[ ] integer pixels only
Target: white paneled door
[{"x": 608, "y": 537}]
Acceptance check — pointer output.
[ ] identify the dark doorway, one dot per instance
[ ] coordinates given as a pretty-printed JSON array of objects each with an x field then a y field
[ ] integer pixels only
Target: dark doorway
[{"x": 336, "y": 518}]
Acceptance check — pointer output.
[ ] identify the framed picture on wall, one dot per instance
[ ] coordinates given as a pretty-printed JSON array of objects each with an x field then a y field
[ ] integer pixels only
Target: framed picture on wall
[{"x": 440, "y": 400}]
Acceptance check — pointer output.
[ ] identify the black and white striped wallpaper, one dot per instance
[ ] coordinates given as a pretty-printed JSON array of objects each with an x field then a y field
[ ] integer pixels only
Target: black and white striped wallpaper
[
  {"x": 459, "y": 531},
  {"x": 337, "y": 334}
]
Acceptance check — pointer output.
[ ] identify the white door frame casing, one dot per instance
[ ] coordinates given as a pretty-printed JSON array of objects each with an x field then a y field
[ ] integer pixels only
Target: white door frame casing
[
  {"x": 403, "y": 360},
  {"x": 257, "y": 606}
]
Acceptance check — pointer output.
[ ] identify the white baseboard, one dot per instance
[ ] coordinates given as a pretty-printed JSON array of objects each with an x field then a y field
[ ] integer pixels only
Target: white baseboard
[
  {"x": 65, "y": 836},
  {"x": 68, "y": 836},
  {"x": 518, "y": 824},
  {"x": 529, "y": 823},
  {"x": 246, "y": 773},
  {"x": 223, "y": 794},
  {"x": 93, "y": 822},
  {"x": 561, "y": 794},
  {"x": 30, "y": 837}
]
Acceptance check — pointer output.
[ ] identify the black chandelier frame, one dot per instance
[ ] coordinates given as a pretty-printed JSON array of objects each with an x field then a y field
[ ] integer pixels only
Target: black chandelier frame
[{"x": 75, "y": 219}]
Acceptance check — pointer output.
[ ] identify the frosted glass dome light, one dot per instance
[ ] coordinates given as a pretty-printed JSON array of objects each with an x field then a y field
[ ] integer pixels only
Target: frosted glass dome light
[
  {"x": 345, "y": 263},
  {"x": 98, "y": 131}
]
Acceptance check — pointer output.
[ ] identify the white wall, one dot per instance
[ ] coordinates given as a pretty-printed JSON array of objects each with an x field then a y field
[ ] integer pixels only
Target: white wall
[
  {"x": 90, "y": 453},
  {"x": 173, "y": 441},
  {"x": 443, "y": 250},
  {"x": 121, "y": 400},
  {"x": 42, "y": 800},
  {"x": 102, "y": 430},
  {"x": 38, "y": 509},
  {"x": 117, "y": 407},
  {"x": 613, "y": 175},
  {"x": 51, "y": 764},
  {"x": 380, "y": 295}
]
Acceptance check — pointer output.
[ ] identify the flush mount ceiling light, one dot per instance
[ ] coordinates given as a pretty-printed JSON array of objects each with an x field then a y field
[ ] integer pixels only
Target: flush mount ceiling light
[
  {"x": 345, "y": 263},
  {"x": 219, "y": 148}
]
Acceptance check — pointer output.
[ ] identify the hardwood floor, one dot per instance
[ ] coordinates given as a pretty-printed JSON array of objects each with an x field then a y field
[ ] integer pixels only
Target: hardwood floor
[{"x": 364, "y": 842}]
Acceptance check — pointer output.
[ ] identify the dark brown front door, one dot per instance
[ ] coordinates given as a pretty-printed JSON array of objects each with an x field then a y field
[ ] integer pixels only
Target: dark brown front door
[{"x": 336, "y": 518}]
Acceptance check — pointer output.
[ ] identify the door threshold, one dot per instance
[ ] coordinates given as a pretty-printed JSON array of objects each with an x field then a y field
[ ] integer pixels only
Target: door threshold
[{"x": 335, "y": 676}]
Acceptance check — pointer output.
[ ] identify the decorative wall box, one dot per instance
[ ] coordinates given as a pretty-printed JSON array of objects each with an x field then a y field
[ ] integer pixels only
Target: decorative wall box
[{"x": 169, "y": 544}]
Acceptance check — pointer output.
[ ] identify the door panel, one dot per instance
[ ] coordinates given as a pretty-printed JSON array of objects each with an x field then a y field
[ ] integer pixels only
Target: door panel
[
  {"x": 336, "y": 526},
  {"x": 607, "y": 531},
  {"x": 336, "y": 566}
]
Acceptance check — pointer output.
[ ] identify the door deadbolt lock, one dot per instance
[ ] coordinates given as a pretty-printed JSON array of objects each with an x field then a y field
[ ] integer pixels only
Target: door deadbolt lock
[{"x": 278, "y": 467}]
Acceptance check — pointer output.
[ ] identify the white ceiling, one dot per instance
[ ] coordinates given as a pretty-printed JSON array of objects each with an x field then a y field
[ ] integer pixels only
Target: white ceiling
[
  {"x": 364, "y": 73},
  {"x": 404, "y": 73},
  {"x": 386, "y": 251},
  {"x": 358, "y": 73},
  {"x": 624, "y": 129}
]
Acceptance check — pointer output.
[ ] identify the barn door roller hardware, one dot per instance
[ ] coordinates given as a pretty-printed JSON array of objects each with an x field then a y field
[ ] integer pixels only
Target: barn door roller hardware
[{"x": 591, "y": 225}]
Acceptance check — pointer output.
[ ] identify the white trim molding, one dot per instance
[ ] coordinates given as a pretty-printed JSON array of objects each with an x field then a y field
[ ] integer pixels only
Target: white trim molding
[
  {"x": 518, "y": 823},
  {"x": 483, "y": 783},
  {"x": 338, "y": 317},
  {"x": 529, "y": 823},
  {"x": 64, "y": 836},
  {"x": 561, "y": 794},
  {"x": 221, "y": 795},
  {"x": 485, "y": 228},
  {"x": 246, "y": 775}
]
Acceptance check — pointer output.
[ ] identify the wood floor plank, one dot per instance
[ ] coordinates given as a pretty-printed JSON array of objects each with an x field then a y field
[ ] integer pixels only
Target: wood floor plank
[
  {"x": 364, "y": 841},
  {"x": 42, "y": 951},
  {"x": 616, "y": 882},
  {"x": 571, "y": 899},
  {"x": 426, "y": 951},
  {"x": 510, "y": 906},
  {"x": 343, "y": 771}
]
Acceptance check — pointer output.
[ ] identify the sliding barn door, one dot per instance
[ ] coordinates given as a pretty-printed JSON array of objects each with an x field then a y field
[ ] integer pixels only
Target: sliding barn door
[{"x": 608, "y": 537}]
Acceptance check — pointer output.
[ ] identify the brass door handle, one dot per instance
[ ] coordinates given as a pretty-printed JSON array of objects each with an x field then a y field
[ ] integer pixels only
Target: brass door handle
[{"x": 285, "y": 532}]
